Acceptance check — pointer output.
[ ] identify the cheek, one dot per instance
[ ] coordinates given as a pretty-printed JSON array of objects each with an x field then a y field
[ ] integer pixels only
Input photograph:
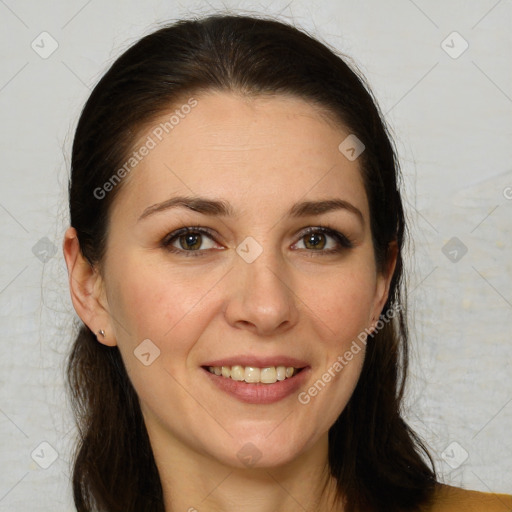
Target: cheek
[
  {"x": 342, "y": 309},
  {"x": 344, "y": 305},
  {"x": 172, "y": 309},
  {"x": 154, "y": 302},
  {"x": 166, "y": 309}
]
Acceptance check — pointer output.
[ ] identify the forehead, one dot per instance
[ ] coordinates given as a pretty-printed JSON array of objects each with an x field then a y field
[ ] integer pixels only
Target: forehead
[{"x": 257, "y": 151}]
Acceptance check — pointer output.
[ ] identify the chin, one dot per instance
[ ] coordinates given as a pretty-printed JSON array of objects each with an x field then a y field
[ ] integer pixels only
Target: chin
[{"x": 257, "y": 451}]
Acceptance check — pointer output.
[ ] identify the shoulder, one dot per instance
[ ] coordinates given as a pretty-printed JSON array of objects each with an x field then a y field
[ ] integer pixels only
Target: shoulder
[{"x": 455, "y": 499}]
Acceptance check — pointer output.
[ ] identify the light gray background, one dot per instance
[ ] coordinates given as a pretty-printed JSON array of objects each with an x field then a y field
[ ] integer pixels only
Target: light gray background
[{"x": 451, "y": 119}]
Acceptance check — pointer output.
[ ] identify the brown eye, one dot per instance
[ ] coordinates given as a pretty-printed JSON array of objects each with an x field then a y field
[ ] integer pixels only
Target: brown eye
[
  {"x": 314, "y": 241},
  {"x": 323, "y": 240},
  {"x": 190, "y": 241}
]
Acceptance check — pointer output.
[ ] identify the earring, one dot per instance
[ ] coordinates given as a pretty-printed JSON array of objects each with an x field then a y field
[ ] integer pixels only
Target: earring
[{"x": 101, "y": 332}]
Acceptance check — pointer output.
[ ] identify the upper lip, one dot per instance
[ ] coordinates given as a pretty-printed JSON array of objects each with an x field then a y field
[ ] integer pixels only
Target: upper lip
[{"x": 258, "y": 362}]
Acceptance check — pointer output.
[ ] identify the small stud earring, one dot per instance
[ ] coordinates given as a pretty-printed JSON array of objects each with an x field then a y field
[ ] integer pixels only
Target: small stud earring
[{"x": 101, "y": 332}]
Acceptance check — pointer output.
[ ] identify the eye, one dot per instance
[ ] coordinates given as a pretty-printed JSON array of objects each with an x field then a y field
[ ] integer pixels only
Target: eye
[
  {"x": 196, "y": 240},
  {"x": 190, "y": 241},
  {"x": 323, "y": 240}
]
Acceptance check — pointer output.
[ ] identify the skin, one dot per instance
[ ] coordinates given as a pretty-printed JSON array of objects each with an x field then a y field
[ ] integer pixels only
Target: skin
[{"x": 261, "y": 155}]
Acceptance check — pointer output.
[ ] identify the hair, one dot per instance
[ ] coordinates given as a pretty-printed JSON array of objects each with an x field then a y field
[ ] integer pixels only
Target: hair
[{"x": 378, "y": 462}]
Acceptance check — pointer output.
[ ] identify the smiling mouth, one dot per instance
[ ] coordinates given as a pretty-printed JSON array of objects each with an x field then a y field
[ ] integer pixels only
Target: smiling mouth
[{"x": 254, "y": 375}]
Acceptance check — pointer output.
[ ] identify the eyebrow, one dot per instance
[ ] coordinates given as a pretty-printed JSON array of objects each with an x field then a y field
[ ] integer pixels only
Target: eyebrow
[{"x": 223, "y": 208}]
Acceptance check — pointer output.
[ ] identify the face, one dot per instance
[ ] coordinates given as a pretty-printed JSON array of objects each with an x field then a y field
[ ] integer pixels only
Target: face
[{"x": 261, "y": 277}]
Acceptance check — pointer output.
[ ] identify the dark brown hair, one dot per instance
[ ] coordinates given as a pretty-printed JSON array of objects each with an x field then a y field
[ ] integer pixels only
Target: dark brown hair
[{"x": 378, "y": 462}]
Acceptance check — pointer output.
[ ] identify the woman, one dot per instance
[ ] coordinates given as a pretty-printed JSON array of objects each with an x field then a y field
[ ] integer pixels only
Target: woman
[{"x": 235, "y": 255}]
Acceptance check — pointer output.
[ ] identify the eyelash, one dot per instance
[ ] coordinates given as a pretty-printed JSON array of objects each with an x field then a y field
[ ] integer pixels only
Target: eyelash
[{"x": 343, "y": 241}]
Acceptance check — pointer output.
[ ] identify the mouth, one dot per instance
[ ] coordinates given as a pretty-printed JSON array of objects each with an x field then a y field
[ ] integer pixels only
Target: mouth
[
  {"x": 257, "y": 385},
  {"x": 253, "y": 374}
]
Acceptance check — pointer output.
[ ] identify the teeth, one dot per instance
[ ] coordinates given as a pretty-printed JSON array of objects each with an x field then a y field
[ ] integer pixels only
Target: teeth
[
  {"x": 268, "y": 375},
  {"x": 251, "y": 374},
  {"x": 237, "y": 372}
]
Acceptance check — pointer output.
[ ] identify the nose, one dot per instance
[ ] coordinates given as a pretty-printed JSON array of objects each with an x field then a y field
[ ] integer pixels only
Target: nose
[{"x": 261, "y": 296}]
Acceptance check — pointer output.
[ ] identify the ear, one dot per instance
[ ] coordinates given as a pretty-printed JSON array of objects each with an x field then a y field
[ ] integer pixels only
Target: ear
[
  {"x": 384, "y": 281},
  {"x": 87, "y": 290}
]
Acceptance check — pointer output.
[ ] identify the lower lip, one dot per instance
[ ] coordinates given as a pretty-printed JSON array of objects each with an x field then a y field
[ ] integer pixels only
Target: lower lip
[{"x": 259, "y": 393}]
